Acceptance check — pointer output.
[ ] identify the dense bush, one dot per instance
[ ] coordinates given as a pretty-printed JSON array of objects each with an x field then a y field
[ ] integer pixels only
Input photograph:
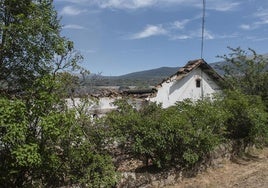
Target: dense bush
[
  {"x": 184, "y": 134},
  {"x": 49, "y": 147},
  {"x": 180, "y": 135},
  {"x": 246, "y": 74},
  {"x": 248, "y": 119},
  {"x": 203, "y": 130}
]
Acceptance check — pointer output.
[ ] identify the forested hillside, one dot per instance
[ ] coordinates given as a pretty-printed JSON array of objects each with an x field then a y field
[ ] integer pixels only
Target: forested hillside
[{"x": 142, "y": 79}]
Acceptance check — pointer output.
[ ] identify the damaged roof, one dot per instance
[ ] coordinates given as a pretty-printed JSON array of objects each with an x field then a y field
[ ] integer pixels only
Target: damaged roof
[
  {"x": 192, "y": 65},
  {"x": 139, "y": 93},
  {"x": 144, "y": 93}
]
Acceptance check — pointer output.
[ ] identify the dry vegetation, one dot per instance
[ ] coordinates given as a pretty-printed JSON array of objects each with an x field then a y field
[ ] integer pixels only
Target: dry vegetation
[{"x": 249, "y": 171}]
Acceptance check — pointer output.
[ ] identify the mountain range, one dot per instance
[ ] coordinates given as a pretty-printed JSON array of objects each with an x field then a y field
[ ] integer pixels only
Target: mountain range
[{"x": 141, "y": 79}]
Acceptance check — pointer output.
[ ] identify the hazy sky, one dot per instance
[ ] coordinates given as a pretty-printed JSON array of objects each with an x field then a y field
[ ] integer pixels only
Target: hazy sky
[{"x": 122, "y": 36}]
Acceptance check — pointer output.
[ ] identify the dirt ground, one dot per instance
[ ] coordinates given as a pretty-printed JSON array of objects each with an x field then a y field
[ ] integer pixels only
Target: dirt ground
[{"x": 250, "y": 171}]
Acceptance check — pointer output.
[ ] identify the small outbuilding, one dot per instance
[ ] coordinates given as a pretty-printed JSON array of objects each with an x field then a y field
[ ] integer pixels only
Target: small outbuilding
[{"x": 195, "y": 81}]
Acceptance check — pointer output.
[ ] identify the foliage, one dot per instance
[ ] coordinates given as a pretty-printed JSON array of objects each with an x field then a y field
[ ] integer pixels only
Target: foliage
[
  {"x": 246, "y": 75},
  {"x": 47, "y": 147},
  {"x": 248, "y": 119},
  {"x": 247, "y": 72},
  {"x": 184, "y": 134},
  {"x": 30, "y": 43},
  {"x": 204, "y": 128},
  {"x": 181, "y": 135},
  {"x": 43, "y": 143}
]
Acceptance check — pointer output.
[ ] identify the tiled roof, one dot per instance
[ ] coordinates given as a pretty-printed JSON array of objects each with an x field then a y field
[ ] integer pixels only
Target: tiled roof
[{"x": 190, "y": 66}]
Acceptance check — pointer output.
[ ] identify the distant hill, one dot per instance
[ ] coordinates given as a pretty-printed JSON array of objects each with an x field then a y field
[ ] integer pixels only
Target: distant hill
[
  {"x": 143, "y": 79},
  {"x": 153, "y": 73},
  {"x": 217, "y": 66},
  {"x": 95, "y": 83}
]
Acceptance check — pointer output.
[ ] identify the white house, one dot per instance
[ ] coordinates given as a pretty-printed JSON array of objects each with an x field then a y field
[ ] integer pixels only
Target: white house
[{"x": 194, "y": 81}]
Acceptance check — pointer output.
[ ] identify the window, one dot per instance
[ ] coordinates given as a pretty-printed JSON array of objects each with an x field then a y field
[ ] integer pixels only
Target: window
[{"x": 198, "y": 82}]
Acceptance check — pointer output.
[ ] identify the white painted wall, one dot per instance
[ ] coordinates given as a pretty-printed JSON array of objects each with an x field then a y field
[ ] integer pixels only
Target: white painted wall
[
  {"x": 177, "y": 90},
  {"x": 103, "y": 104}
]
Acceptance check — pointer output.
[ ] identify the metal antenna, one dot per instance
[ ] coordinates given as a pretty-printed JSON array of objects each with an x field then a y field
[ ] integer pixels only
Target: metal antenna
[{"x": 203, "y": 28}]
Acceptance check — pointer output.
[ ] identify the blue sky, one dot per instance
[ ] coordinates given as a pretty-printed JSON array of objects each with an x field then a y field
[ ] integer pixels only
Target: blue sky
[{"x": 122, "y": 36}]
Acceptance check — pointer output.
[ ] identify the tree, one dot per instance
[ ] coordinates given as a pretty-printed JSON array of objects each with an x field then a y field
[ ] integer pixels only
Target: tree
[
  {"x": 43, "y": 143},
  {"x": 50, "y": 146},
  {"x": 246, "y": 71},
  {"x": 30, "y": 43}
]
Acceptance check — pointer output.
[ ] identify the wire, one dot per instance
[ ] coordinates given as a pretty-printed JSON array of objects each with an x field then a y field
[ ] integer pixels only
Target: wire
[{"x": 203, "y": 28}]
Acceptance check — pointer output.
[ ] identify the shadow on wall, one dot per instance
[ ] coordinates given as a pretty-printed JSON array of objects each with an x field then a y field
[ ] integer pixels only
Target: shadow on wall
[{"x": 178, "y": 84}]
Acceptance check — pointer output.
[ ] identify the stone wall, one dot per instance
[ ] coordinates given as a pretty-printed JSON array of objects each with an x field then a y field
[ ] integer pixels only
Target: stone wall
[{"x": 174, "y": 176}]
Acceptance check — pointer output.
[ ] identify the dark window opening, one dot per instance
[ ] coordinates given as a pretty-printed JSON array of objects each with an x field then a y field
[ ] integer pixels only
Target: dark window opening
[{"x": 198, "y": 83}]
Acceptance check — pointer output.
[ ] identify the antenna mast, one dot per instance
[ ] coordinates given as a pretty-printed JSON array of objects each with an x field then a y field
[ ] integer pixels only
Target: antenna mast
[{"x": 203, "y": 28}]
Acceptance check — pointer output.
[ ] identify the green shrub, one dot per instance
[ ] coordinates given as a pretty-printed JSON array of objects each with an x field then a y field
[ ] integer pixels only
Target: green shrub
[
  {"x": 49, "y": 149},
  {"x": 203, "y": 130},
  {"x": 184, "y": 134},
  {"x": 180, "y": 135},
  {"x": 248, "y": 118}
]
